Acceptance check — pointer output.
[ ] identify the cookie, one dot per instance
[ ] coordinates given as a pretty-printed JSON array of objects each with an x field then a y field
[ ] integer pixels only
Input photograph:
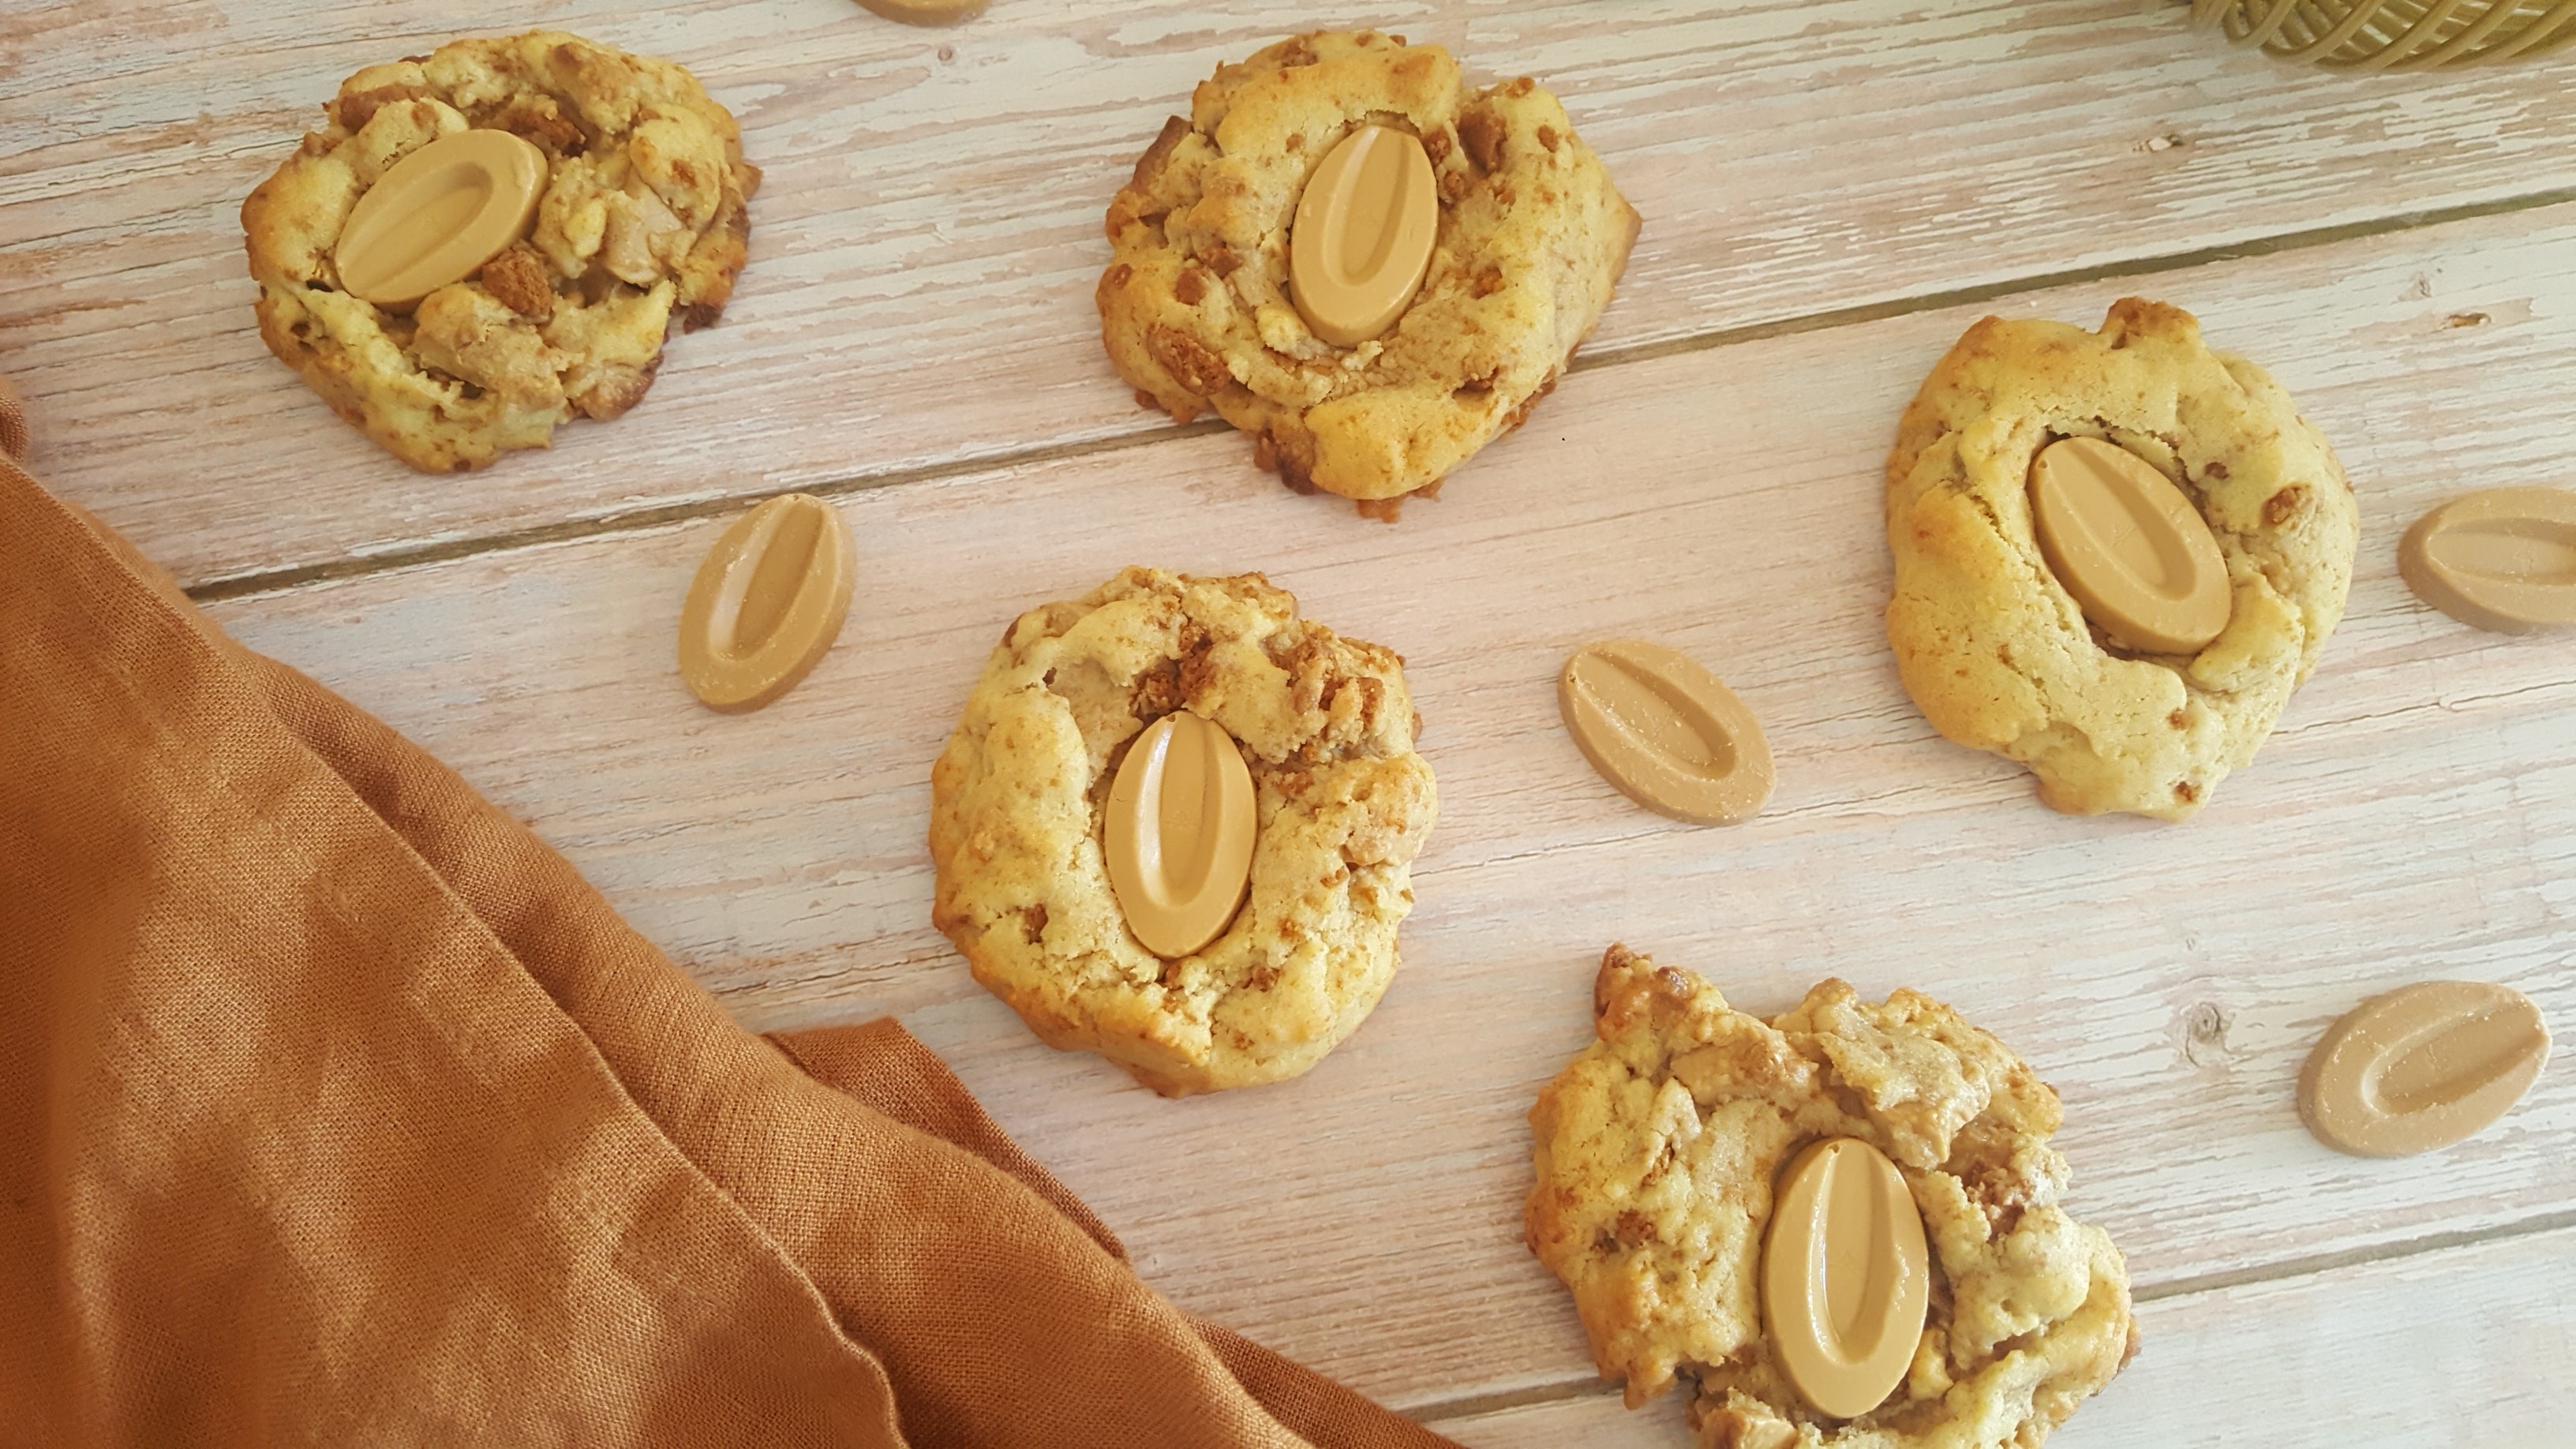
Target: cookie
[
  {"x": 640, "y": 230},
  {"x": 1196, "y": 309},
  {"x": 1657, "y": 1151},
  {"x": 1998, "y": 654},
  {"x": 1343, "y": 802}
]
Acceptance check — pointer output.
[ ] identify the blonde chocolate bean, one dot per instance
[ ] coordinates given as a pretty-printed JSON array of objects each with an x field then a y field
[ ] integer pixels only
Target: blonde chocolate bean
[
  {"x": 1846, "y": 1277},
  {"x": 2503, "y": 559},
  {"x": 2134, "y": 552},
  {"x": 438, "y": 215},
  {"x": 1178, "y": 837},
  {"x": 925, "y": 12},
  {"x": 766, "y": 603},
  {"x": 2422, "y": 1067},
  {"x": 1666, "y": 732},
  {"x": 1363, "y": 233}
]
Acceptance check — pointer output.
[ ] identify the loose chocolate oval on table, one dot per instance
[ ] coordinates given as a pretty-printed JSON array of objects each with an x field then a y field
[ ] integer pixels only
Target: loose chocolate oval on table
[
  {"x": 1668, "y": 733},
  {"x": 2135, "y": 553},
  {"x": 925, "y": 12},
  {"x": 1178, "y": 837},
  {"x": 1846, "y": 1276},
  {"x": 2503, "y": 559},
  {"x": 766, "y": 603},
  {"x": 438, "y": 215},
  {"x": 1362, "y": 238},
  {"x": 2422, "y": 1067}
]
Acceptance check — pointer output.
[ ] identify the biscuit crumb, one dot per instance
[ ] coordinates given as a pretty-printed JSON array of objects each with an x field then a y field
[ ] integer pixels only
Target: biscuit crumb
[
  {"x": 518, "y": 279},
  {"x": 1482, "y": 135}
]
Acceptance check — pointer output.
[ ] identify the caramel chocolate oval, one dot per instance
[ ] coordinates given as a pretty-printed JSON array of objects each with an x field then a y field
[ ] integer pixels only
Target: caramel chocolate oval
[
  {"x": 1179, "y": 833},
  {"x": 2422, "y": 1067},
  {"x": 766, "y": 603},
  {"x": 2504, "y": 559},
  {"x": 1363, "y": 234},
  {"x": 2134, "y": 552},
  {"x": 439, "y": 214},
  {"x": 925, "y": 12},
  {"x": 1846, "y": 1278},
  {"x": 1666, "y": 732}
]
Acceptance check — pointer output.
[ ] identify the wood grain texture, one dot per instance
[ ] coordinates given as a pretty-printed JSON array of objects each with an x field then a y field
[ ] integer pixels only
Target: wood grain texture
[
  {"x": 925, "y": 247},
  {"x": 2467, "y": 1345},
  {"x": 2415, "y": 816}
]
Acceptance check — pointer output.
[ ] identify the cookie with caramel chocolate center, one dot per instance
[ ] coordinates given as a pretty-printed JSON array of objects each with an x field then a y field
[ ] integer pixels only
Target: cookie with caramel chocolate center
[
  {"x": 2117, "y": 553},
  {"x": 1663, "y": 1151},
  {"x": 1346, "y": 252},
  {"x": 1209, "y": 906},
  {"x": 624, "y": 221}
]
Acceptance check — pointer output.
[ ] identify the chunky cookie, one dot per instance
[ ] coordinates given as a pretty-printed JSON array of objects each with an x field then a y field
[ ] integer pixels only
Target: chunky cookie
[
  {"x": 1657, "y": 1153},
  {"x": 641, "y": 228},
  {"x": 1019, "y": 799},
  {"x": 1196, "y": 309},
  {"x": 1993, "y": 647}
]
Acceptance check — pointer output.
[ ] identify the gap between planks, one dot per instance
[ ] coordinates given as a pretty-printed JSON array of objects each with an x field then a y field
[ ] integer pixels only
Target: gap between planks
[
  {"x": 275, "y": 581},
  {"x": 1435, "y": 1411}
]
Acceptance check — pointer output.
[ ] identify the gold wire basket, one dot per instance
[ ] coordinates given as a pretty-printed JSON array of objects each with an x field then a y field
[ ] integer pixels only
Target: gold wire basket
[{"x": 2393, "y": 34}]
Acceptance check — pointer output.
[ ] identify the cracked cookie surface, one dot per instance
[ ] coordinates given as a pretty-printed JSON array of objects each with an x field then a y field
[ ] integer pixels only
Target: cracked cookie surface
[
  {"x": 1657, "y": 1149},
  {"x": 1994, "y": 649},
  {"x": 641, "y": 230},
  {"x": 1195, "y": 308},
  {"x": 1343, "y": 803}
]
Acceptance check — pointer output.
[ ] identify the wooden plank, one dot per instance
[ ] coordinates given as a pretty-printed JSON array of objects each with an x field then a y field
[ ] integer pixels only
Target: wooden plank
[
  {"x": 2416, "y": 816},
  {"x": 926, "y": 244},
  {"x": 2473, "y": 1344}
]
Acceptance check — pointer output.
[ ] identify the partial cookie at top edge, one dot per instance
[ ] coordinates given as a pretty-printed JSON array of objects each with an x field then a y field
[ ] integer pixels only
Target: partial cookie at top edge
[
  {"x": 1343, "y": 804},
  {"x": 1656, "y": 1151},
  {"x": 1994, "y": 649},
  {"x": 1195, "y": 307},
  {"x": 641, "y": 231}
]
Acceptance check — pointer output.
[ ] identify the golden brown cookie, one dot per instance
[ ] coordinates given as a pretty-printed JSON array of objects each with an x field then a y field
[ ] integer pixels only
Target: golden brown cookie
[
  {"x": 1657, "y": 1153},
  {"x": 1998, "y": 653},
  {"x": 641, "y": 230},
  {"x": 1196, "y": 309},
  {"x": 1343, "y": 803}
]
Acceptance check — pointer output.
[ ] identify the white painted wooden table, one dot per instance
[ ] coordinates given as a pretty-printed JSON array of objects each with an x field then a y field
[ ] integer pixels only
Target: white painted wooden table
[{"x": 1832, "y": 190}]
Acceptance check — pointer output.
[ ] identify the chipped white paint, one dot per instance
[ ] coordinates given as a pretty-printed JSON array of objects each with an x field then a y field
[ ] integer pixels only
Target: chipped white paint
[
  {"x": 2416, "y": 816},
  {"x": 924, "y": 251}
]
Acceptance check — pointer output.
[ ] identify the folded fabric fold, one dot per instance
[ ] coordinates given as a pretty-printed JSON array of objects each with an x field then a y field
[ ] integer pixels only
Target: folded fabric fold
[{"x": 336, "y": 1108}]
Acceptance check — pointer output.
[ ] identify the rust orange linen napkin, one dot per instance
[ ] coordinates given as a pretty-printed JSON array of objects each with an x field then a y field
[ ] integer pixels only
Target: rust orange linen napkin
[{"x": 337, "y": 1109}]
